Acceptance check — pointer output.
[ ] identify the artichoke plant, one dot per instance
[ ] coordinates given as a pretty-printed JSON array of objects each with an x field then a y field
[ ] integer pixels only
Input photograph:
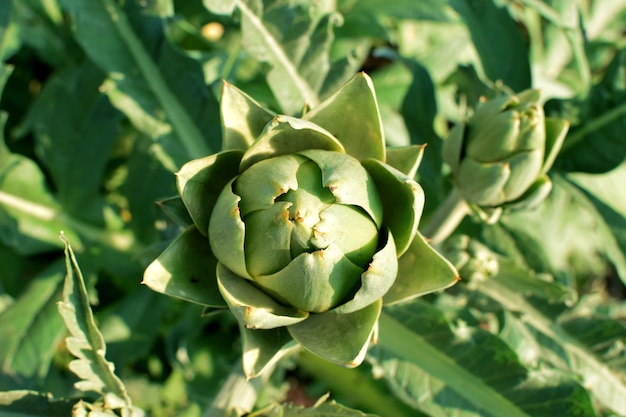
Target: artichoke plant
[
  {"x": 303, "y": 227},
  {"x": 500, "y": 157}
]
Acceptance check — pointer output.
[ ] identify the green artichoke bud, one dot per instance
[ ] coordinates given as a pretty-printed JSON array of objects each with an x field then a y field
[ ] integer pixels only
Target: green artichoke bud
[
  {"x": 500, "y": 157},
  {"x": 474, "y": 261},
  {"x": 302, "y": 228}
]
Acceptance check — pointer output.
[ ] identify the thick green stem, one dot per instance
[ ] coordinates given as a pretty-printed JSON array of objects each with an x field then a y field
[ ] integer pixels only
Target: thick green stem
[
  {"x": 447, "y": 217},
  {"x": 361, "y": 389},
  {"x": 400, "y": 341}
]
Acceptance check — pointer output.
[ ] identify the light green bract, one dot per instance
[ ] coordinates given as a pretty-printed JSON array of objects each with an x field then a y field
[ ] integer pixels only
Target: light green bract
[
  {"x": 302, "y": 228},
  {"x": 500, "y": 157}
]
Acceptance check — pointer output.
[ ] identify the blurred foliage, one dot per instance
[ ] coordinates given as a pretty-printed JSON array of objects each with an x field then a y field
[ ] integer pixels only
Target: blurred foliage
[{"x": 103, "y": 100}]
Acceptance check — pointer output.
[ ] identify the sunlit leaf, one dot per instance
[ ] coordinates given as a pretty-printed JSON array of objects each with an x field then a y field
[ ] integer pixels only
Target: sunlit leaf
[{"x": 86, "y": 343}]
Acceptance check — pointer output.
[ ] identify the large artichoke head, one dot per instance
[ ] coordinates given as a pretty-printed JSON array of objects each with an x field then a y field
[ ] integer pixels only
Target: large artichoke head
[
  {"x": 500, "y": 157},
  {"x": 302, "y": 227}
]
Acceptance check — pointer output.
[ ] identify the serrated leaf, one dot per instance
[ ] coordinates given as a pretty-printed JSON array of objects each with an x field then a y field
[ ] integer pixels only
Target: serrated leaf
[
  {"x": 86, "y": 342},
  {"x": 605, "y": 336},
  {"x": 30, "y": 329},
  {"x": 563, "y": 348},
  {"x": 465, "y": 371},
  {"x": 33, "y": 404}
]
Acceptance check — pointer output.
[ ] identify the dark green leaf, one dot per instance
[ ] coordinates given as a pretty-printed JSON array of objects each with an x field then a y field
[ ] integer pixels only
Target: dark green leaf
[
  {"x": 561, "y": 348},
  {"x": 148, "y": 181},
  {"x": 462, "y": 368},
  {"x": 498, "y": 41},
  {"x": 129, "y": 326},
  {"x": 31, "y": 217},
  {"x": 33, "y": 404},
  {"x": 108, "y": 36},
  {"x": 75, "y": 139},
  {"x": 596, "y": 142},
  {"x": 30, "y": 329}
]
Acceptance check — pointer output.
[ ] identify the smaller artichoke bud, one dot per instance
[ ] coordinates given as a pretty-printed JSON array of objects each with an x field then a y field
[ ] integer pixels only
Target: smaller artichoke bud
[
  {"x": 474, "y": 261},
  {"x": 501, "y": 155}
]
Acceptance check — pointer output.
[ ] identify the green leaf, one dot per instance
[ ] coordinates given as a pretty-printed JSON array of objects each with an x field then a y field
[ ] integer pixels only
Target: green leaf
[
  {"x": 186, "y": 270},
  {"x": 603, "y": 335},
  {"x": 595, "y": 143},
  {"x": 33, "y": 404},
  {"x": 106, "y": 34},
  {"x": 351, "y": 115},
  {"x": 607, "y": 206},
  {"x": 466, "y": 370},
  {"x": 6, "y": 37},
  {"x": 75, "y": 140},
  {"x": 421, "y": 270},
  {"x": 297, "y": 50},
  {"x": 525, "y": 281},
  {"x": 31, "y": 216},
  {"x": 30, "y": 329},
  {"x": 147, "y": 182},
  {"x": 128, "y": 326},
  {"x": 553, "y": 246},
  {"x": 498, "y": 41},
  {"x": 606, "y": 386},
  {"x": 86, "y": 342},
  {"x": 339, "y": 338}
]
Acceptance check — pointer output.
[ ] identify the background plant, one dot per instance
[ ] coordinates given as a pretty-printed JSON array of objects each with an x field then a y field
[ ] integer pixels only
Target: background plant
[{"x": 102, "y": 101}]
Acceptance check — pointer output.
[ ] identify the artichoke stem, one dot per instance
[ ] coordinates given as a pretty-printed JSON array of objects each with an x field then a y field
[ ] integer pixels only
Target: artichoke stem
[{"x": 446, "y": 218}]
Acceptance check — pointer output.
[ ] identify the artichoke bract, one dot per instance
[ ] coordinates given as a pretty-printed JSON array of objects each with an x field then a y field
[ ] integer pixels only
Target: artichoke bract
[
  {"x": 302, "y": 227},
  {"x": 500, "y": 157}
]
